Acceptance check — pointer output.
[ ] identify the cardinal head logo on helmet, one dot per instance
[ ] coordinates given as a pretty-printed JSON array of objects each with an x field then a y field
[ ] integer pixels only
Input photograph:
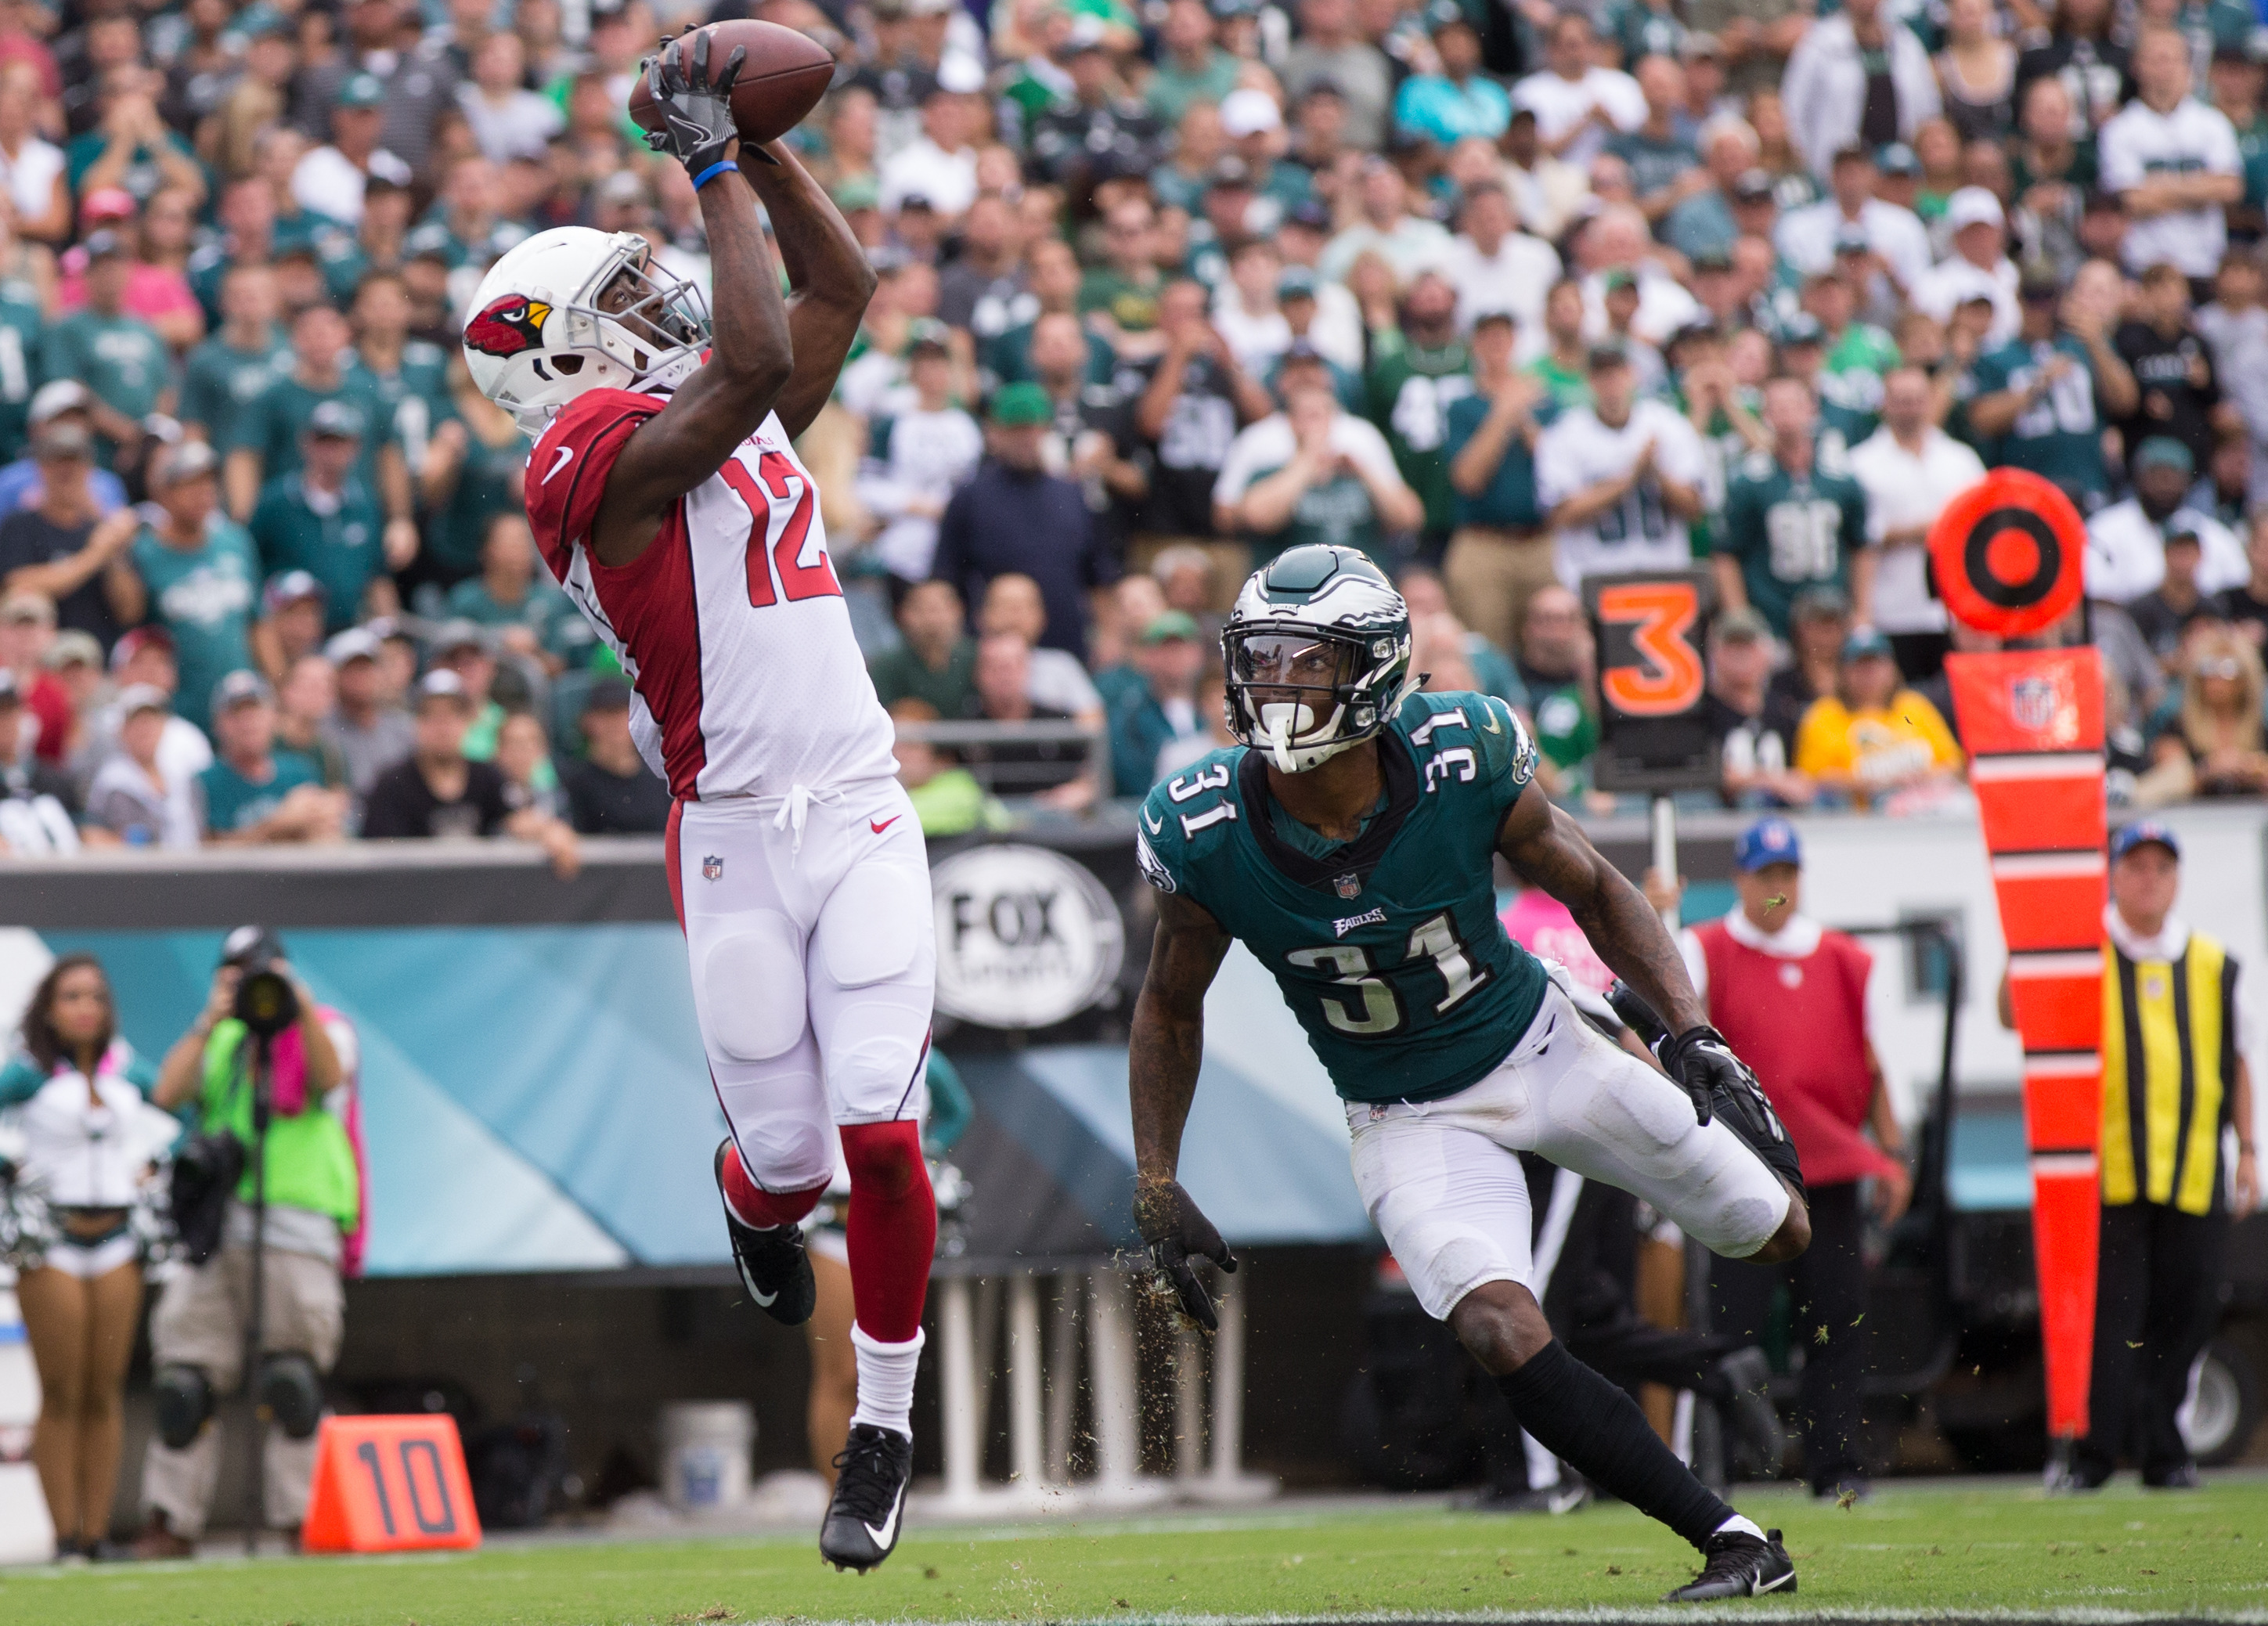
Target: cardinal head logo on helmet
[{"x": 508, "y": 326}]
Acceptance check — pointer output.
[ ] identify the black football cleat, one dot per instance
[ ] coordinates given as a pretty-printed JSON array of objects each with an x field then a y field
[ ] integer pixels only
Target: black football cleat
[
  {"x": 774, "y": 1267},
  {"x": 1736, "y": 1564},
  {"x": 869, "y": 1498}
]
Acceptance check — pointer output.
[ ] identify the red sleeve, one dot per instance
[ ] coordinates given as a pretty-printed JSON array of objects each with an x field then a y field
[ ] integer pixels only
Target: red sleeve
[{"x": 567, "y": 472}]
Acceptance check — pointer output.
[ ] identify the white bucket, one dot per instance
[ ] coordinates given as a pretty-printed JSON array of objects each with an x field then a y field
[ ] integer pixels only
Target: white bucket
[
  {"x": 706, "y": 1448},
  {"x": 26, "y": 1534}
]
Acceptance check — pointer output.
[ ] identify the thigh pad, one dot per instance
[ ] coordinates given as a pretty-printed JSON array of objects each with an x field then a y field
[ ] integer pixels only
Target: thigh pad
[{"x": 753, "y": 993}]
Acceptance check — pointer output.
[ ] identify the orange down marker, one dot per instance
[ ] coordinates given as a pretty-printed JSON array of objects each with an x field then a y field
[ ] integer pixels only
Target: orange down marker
[{"x": 389, "y": 1485}]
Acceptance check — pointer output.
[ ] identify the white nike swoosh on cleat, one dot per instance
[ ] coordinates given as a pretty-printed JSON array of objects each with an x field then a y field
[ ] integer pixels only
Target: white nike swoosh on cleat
[
  {"x": 1774, "y": 1585},
  {"x": 764, "y": 1301},
  {"x": 883, "y": 1536}
]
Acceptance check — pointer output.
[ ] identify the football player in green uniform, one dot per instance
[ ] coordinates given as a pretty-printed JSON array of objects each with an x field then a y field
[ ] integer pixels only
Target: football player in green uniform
[{"x": 1349, "y": 843}]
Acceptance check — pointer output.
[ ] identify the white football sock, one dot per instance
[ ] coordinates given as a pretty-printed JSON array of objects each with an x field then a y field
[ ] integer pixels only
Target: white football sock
[
  {"x": 885, "y": 1380},
  {"x": 1739, "y": 1526}
]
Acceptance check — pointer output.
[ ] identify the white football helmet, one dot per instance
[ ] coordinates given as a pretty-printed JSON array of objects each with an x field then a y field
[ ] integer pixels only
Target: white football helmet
[
  {"x": 1317, "y": 649},
  {"x": 571, "y": 310}
]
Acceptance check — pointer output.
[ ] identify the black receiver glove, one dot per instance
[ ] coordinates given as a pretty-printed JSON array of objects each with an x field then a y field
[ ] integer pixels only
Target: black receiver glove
[
  {"x": 697, "y": 110},
  {"x": 1721, "y": 1084},
  {"x": 1178, "y": 1231}
]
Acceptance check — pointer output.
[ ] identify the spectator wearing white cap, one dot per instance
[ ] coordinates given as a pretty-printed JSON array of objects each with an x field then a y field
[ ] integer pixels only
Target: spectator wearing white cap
[
  {"x": 135, "y": 795},
  {"x": 1978, "y": 267},
  {"x": 1253, "y": 125},
  {"x": 369, "y": 734},
  {"x": 940, "y": 162},
  {"x": 59, "y": 400}
]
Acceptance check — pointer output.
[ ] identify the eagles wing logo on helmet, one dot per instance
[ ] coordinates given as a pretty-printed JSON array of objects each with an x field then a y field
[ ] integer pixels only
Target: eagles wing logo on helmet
[{"x": 508, "y": 325}]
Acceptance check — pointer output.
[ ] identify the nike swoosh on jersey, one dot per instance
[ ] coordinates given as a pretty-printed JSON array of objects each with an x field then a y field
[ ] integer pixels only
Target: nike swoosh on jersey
[
  {"x": 888, "y": 1526},
  {"x": 1489, "y": 721},
  {"x": 886, "y": 824},
  {"x": 565, "y": 454},
  {"x": 1156, "y": 825}
]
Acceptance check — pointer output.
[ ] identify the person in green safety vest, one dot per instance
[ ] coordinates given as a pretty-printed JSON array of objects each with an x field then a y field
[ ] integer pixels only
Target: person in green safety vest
[{"x": 301, "y": 1190}]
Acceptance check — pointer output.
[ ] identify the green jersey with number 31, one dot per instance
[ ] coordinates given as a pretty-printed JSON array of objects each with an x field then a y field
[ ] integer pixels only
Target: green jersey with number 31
[{"x": 1387, "y": 947}]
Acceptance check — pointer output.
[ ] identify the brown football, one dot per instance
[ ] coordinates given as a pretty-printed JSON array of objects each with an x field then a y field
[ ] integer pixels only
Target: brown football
[{"x": 781, "y": 81}]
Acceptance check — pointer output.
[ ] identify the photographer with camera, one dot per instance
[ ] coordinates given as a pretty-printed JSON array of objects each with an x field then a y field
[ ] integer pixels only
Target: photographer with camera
[{"x": 267, "y": 1068}]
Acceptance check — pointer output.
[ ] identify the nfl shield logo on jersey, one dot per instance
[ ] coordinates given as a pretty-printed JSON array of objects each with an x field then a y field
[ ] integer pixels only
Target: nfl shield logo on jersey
[
  {"x": 1348, "y": 885},
  {"x": 2032, "y": 702},
  {"x": 712, "y": 868}
]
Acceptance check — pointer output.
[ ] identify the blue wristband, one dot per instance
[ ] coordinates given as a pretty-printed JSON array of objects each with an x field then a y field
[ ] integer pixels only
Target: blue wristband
[{"x": 712, "y": 171}]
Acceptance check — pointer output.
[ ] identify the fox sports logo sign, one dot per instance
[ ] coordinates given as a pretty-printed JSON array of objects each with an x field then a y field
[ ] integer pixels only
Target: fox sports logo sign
[{"x": 1024, "y": 937}]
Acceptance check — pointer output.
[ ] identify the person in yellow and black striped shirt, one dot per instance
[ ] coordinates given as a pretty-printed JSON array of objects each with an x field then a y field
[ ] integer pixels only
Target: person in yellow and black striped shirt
[{"x": 2176, "y": 1103}]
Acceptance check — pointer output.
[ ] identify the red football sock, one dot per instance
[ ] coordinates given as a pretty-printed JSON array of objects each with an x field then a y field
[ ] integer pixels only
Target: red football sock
[
  {"x": 893, "y": 1226},
  {"x": 754, "y": 1206}
]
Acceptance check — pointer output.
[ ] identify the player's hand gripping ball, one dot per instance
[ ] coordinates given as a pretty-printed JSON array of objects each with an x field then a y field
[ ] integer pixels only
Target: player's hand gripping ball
[
  {"x": 1177, "y": 1233},
  {"x": 779, "y": 78}
]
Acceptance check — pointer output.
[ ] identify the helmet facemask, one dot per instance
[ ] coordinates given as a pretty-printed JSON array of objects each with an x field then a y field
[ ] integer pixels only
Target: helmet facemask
[
  {"x": 1291, "y": 688},
  {"x": 644, "y": 318}
]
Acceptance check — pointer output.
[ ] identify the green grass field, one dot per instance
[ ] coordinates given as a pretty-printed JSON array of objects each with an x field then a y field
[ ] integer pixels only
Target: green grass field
[{"x": 1912, "y": 1553}]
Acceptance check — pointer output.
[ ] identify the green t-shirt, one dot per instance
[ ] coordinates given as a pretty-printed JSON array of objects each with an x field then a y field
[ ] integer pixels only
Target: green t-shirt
[
  {"x": 1410, "y": 390},
  {"x": 559, "y": 626},
  {"x": 207, "y": 599},
  {"x": 22, "y": 331},
  {"x": 220, "y": 383},
  {"x": 20, "y": 1079},
  {"x": 1386, "y": 948},
  {"x": 483, "y": 490},
  {"x": 339, "y": 542},
  {"x": 1654, "y": 164},
  {"x": 120, "y": 358},
  {"x": 2060, "y": 436},
  {"x": 1172, "y": 88},
  {"x": 1337, "y": 513},
  {"x": 1132, "y": 305},
  {"x": 1569, "y": 386},
  {"x": 1510, "y": 498},
  {"x": 1789, "y": 533},
  {"x": 1565, "y": 730},
  {"x": 233, "y": 802},
  {"x": 415, "y": 398},
  {"x": 270, "y": 425},
  {"x": 899, "y": 675}
]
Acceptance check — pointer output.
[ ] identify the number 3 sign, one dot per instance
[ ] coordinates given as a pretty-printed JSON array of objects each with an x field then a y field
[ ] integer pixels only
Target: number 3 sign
[{"x": 1651, "y": 627}]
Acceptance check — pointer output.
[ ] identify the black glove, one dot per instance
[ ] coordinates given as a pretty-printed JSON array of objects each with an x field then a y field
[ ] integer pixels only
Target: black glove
[
  {"x": 1720, "y": 1082},
  {"x": 1699, "y": 1059},
  {"x": 1177, "y": 1231},
  {"x": 696, "y": 111}
]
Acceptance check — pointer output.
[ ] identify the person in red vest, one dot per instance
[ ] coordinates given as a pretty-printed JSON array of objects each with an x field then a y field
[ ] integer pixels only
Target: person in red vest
[{"x": 1790, "y": 998}]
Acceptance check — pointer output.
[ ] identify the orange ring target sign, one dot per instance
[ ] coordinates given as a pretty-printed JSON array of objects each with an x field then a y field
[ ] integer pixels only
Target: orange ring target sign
[{"x": 2010, "y": 553}]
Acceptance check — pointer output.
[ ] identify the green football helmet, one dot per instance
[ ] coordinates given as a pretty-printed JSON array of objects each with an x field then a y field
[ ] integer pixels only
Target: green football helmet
[{"x": 1317, "y": 652}]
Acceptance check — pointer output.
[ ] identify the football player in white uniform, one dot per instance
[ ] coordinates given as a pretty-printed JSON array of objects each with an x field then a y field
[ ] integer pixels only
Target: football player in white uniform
[{"x": 667, "y": 499}]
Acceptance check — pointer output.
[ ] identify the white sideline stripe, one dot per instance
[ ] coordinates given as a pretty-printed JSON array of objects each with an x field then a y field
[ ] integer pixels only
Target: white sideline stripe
[
  {"x": 2036, "y": 765},
  {"x": 2056, "y": 962},
  {"x": 2066, "y": 1164},
  {"x": 2043, "y": 866},
  {"x": 1648, "y": 1614}
]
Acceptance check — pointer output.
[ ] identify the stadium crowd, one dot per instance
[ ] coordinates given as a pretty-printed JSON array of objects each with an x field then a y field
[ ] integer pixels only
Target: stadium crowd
[{"x": 1501, "y": 294}]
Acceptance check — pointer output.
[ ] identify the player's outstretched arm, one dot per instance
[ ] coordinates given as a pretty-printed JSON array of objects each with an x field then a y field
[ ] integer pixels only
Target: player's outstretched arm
[
  {"x": 827, "y": 275},
  {"x": 1167, "y": 1045},
  {"x": 1548, "y": 849},
  {"x": 751, "y": 355}
]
